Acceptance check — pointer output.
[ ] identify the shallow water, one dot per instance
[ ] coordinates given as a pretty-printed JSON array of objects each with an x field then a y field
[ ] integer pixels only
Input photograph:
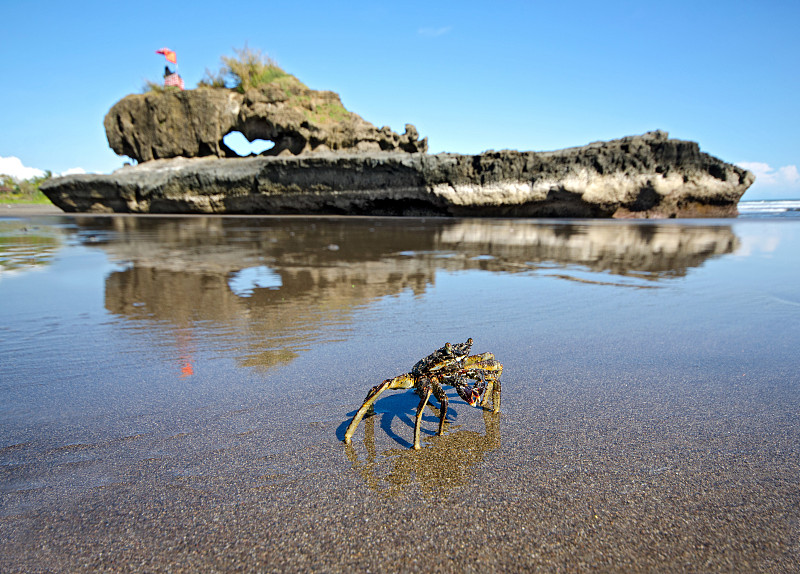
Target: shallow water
[{"x": 175, "y": 391}]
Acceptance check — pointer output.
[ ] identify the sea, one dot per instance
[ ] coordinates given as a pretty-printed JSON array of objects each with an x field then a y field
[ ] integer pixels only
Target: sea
[
  {"x": 770, "y": 208},
  {"x": 174, "y": 393}
]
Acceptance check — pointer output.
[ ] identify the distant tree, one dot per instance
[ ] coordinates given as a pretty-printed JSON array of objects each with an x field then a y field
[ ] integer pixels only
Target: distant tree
[{"x": 23, "y": 190}]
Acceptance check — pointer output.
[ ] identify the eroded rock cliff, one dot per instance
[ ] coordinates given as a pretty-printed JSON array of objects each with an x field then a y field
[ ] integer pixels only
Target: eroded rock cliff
[
  {"x": 193, "y": 123},
  {"x": 639, "y": 176}
]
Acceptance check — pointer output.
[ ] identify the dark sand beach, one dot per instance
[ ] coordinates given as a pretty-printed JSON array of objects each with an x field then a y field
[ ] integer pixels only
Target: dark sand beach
[{"x": 175, "y": 393}]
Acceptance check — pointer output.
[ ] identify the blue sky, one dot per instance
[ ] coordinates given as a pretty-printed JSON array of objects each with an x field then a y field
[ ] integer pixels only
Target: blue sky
[{"x": 471, "y": 76}]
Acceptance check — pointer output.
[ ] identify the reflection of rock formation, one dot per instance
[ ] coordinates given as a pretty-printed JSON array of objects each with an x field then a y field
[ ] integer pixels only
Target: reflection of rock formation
[
  {"x": 445, "y": 463},
  {"x": 181, "y": 271},
  {"x": 648, "y": 251}
]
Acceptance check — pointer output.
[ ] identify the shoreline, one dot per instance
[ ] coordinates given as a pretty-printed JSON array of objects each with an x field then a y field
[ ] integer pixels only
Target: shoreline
[
  {"x": 38, "y": 210},
  {"x": 29, "y": 209}
]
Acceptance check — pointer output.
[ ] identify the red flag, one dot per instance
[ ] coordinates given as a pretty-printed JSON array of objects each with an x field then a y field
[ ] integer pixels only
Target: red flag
[{"x": 168, "y": 54}]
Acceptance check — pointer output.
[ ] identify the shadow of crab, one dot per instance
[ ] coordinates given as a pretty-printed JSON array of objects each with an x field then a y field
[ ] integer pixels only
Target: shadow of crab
[{"x": 402, "y": 408}]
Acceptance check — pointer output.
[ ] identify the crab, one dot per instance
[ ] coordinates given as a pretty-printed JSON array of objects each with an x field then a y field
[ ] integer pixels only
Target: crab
[{"x": 450, "y": 365}]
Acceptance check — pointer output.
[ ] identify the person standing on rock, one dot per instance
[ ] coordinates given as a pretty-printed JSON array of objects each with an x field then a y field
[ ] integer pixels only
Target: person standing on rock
[{"x": 171, "y": 79}]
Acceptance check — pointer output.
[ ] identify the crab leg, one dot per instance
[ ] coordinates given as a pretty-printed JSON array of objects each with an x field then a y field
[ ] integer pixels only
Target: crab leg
[
  {"x": 418, "y": 423},
  {"x": 493, "y": 387},
  {"x": 403, "y": 381},
  {"x": 441, "y": 396}
]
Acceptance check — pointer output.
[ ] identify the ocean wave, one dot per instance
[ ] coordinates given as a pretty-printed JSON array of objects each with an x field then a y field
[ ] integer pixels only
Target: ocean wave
[{"x": 770, "y": 208}]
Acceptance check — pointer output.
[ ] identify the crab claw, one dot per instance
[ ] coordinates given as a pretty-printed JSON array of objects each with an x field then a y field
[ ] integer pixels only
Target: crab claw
[
  {"x": 470, "y": 395},
  {"x": 465, "y": 393},
  {"x": 474, "y": 397}
]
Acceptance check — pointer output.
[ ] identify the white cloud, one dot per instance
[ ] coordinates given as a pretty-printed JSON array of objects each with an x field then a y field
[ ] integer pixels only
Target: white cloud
[
  {"x": 434, "y": 32},
  {"x": 73, "y": 171},
  {"x": 13, "y": 166},
  {"x": 787, "y": 175},
  {"x": 772, "y": 183}
]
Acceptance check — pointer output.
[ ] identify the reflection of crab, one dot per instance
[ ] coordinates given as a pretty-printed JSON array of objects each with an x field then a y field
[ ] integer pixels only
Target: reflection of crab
[{"x": 450, "y": 365}]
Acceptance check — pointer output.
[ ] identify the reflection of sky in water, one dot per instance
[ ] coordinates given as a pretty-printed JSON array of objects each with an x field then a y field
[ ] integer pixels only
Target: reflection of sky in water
[
  {"x": 244, "y": 281},
  {"x": 760, "y": 240}
]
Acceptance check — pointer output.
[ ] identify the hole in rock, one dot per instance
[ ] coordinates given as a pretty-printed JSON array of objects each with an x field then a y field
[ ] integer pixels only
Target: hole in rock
[{"x": 239, "y": 144}]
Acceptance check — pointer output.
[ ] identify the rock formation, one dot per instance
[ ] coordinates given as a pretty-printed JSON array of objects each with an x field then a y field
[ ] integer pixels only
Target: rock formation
[
  {"x": 327, "y": 160},
  {"x": 638, "y": 176},
  {"x": 193, "y": 123}
]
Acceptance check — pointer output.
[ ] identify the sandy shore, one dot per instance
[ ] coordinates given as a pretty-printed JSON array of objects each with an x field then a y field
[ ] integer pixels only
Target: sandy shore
[{"x": 29, "y": 209}]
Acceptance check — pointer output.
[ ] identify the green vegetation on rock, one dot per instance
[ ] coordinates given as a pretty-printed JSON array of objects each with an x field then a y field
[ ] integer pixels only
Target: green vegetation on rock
[
  {"x": 158, "y": 88},
  {"x": 252, "y": 69},
  {"x": 318, "y": 107},
  {"x": 249, "y": 69},
  {"x": 327, "y": 112},
  {"x": 252, "y": 95}
]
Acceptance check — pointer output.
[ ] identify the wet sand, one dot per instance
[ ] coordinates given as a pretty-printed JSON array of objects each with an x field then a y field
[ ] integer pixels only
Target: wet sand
[
  {"x": 598, "y": 478},
  {"x": 647, "y": 425}
]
